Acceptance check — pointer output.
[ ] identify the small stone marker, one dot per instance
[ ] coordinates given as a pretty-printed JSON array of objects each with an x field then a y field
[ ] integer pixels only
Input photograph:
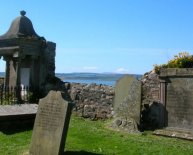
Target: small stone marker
[
  {"x": 127, "y": 103},
  {"x": 51, "y": 125}
]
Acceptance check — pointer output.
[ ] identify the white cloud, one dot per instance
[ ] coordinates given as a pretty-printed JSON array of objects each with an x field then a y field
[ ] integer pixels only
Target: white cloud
[{"x": 121, "y": 70}]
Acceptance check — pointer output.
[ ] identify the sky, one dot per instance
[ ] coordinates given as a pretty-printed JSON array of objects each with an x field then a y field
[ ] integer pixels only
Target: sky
[{"x": 116, "y": 36}]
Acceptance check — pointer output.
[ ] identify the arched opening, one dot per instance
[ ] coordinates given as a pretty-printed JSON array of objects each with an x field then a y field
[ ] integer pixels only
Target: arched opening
[{"x": 2, "y": 70}]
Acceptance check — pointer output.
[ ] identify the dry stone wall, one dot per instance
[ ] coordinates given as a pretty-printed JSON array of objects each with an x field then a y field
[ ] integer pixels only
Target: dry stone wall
[
  {"x": 150, "y": 88},
  {"x": 96, "y": 101},
  {"x": 91, "y": 100}
]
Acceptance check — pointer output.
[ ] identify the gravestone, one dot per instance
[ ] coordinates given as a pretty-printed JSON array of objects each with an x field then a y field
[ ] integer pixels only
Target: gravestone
[
  {"x": 127, "y": 103},
  {"x": 51, "y": 125},
  {"x": 177, "y": 98}
]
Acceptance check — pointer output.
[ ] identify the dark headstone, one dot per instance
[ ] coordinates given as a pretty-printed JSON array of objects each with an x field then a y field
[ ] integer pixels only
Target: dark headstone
[
  {"x": 127, "y": 102},
  {"x": 51, "y": 125}
]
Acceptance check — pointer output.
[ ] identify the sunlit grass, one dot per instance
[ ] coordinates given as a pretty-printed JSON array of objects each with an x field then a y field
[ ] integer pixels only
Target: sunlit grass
[
  {"x": 96, "y": 138},
  {"x": 88, "y": 137}
]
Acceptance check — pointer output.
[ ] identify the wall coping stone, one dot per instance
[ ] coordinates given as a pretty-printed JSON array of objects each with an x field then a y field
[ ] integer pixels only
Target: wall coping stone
[{"x": 173, "y": 72}]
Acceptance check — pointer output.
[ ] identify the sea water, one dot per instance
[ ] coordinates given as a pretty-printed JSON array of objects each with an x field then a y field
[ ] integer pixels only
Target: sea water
[
  {"x": 87, "y": 81},
  {"x": 88, "y": 78}
]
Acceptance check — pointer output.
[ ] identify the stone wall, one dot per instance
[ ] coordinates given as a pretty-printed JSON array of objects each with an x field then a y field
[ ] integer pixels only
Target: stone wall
[
  {"x": 151, "y": 106},
  {"x": 91, "y": 100},
  {"x": 49, "y": 56},
  {"x": 96, "y": 101},
  {"x": 150, "y": 88}
]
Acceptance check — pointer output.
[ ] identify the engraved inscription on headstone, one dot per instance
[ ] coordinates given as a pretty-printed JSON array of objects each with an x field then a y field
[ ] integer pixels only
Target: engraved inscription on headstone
[
  {"x": 179, "y": 103},
  {"x": 178, "y": 100},
  {"x": 127, "y": 101},
  {"x": 51, "y": 125}
]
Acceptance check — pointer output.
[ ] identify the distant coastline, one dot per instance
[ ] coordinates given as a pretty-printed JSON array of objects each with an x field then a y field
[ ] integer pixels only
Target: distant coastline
[{"x": 88, "y": 78}]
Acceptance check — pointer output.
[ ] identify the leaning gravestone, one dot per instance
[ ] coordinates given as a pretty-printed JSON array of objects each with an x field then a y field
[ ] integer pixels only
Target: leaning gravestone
[
  {"x": 127, "y": 103},
  {"x": 51, "y": 125}
]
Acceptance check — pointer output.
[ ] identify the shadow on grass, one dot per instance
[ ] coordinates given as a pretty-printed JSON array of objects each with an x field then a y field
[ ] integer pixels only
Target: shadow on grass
[
  {"x": 9, "y": 130},
  {"x": 80, "y": 153}
]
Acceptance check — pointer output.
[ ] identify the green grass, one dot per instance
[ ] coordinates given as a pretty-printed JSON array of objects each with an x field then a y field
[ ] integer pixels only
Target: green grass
[
  {"x": 91, "y": 138},
  {"x": 14, "y": 144}
]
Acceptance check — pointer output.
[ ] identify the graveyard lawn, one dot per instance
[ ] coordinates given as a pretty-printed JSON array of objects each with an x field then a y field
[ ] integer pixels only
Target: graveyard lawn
[{"x": 94, "y": 138}]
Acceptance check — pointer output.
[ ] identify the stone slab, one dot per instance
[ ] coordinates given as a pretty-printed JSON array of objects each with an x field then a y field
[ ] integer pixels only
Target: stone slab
[
  {"x": 179, "y": 103},
  {"x": 51, "y": 125},
  {"x": 180, "y": 72},
  {"x": 18, "y": 109},
  {"x": 17, "y": 116},
  {"x": 177, "y": 97},
  {"x": 176, "y": 133}
]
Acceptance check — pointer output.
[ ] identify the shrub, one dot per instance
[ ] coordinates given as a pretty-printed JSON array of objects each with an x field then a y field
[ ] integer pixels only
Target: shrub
[{"x": 182, "y": 60}]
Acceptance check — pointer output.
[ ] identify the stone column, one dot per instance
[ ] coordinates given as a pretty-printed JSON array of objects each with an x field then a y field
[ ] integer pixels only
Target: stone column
[
  {"x": 18, "y": 73},
  {"x": 163, "y": 101},
  {"x": 18, "y": 81},
  {"x": 7, "y": 72},
  {"x": 163, "y": 92}
]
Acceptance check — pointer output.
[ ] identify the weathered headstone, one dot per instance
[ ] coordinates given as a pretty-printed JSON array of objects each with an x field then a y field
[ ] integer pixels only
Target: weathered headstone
[
  {"x": 177, "y": 98},
  {"x": 51, "y": 125},
  {"x": 127, "y": 103}
]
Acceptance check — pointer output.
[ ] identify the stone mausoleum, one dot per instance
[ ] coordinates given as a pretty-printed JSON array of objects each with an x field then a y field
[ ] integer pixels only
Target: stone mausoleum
[{"x": 30, "y": 59}]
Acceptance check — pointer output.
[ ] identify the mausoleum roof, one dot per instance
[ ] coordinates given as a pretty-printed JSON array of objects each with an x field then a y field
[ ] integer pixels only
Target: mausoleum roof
[{"x": 20, "y": 27}]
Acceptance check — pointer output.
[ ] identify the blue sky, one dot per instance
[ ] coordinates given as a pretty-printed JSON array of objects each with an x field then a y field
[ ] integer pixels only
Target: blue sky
[{"x": 125, "y": 36}]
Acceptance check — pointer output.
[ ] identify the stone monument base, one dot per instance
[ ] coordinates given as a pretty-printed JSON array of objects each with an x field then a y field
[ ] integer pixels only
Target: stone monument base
[
  {"x": 127, "y": 125},
  {"x": 175, "y": 132}
]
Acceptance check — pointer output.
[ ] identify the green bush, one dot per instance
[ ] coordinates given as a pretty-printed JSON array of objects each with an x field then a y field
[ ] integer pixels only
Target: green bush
[{"x": 182, "y": 60}]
